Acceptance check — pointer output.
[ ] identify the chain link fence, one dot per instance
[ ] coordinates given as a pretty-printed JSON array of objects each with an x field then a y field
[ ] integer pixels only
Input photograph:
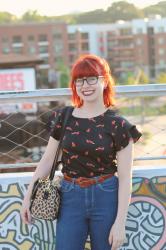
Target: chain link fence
[{"x": 24, "y": 116}]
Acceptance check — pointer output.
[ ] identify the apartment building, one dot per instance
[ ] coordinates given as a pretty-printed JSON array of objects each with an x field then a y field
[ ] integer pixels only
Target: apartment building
[
  {"x": 87, "y": 38},
  {"x": 139, "y": 44},
  {"x": 47, "y": 40},
  {"x": 128, "y": 46}
]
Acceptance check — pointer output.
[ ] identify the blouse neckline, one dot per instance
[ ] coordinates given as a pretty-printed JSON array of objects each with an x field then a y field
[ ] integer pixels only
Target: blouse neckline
[{"x": 88, "y": 118}]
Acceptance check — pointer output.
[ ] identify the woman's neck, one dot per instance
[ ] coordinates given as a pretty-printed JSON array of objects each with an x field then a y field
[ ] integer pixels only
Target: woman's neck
[{"x": 92, "y": 109}]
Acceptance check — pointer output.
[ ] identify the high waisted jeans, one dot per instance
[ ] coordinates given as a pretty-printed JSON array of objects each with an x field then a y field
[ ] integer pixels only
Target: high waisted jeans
[{"x": 86, "y": 211}]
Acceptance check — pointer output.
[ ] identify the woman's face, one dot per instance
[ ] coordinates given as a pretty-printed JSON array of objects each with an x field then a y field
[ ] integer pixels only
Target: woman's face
[{"x": 90, "y": 89}]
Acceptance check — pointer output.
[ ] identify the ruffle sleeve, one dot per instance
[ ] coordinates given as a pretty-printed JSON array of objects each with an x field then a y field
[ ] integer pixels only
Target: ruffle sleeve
[
  {"x": 123, "y": 132},
  {"x": 54, "y": 124}
]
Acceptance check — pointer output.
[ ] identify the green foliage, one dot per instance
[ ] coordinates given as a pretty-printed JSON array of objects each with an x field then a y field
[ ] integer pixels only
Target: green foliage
[
  {"x": 143, "y": 79},
  {"x": 64, "y": 73},
  {"x": 124, "y": 11},
  {"x": 32, "y": 16},
  {"x": 149, "y": 111},
  {"x": 6, "y": 17},
  {"x": 118, "y": 10},
  {"x": 129, "y": 78},
  {"x": 159, "y": 8},
  {"x": 161, "y": 78},
  {"x": 64, "y": 80},
  {"x": 96, "y": 16},
  {"x": 147, "y": 136}
]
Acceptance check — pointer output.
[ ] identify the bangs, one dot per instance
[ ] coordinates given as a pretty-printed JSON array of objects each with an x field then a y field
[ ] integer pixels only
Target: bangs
[{"x": 86, "y": 68}]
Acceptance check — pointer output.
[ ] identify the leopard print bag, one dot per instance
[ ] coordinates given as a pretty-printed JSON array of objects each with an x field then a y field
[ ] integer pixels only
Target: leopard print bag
[
  {"x": 45, "y": 197},
  {"x": 45, "y": 200}
]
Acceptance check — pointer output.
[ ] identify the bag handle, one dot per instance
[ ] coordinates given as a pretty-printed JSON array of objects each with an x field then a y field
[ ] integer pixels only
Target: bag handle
[{"x": 67, "y": 113}]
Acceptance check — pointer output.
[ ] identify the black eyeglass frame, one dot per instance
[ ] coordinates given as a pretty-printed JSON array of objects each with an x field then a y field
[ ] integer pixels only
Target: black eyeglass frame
[{"x": 86, "y": 79}]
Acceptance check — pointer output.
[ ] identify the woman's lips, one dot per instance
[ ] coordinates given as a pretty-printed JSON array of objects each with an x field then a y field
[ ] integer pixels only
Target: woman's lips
[{"x": 88, "y": 92}]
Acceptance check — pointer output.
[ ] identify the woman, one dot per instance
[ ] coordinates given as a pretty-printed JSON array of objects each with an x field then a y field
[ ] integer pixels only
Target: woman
[{"x": 97, "y": 152}]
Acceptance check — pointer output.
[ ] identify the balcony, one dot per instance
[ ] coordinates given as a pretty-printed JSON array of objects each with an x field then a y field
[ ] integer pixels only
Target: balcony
[
  {"x": 44, "y": 55},
  {"x": 119, "y": 37},
  {"x": 43, "y": 43},
  {"x": 146, "y": 220},
  {"x": 17, "y": 45}
]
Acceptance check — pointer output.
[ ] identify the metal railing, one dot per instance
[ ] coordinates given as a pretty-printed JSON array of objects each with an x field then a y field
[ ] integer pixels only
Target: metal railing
[{"x": 132, "y": 99}]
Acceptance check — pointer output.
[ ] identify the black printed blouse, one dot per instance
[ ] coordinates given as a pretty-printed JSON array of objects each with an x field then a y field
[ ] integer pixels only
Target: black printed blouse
[{"x": 89, "y": 145}]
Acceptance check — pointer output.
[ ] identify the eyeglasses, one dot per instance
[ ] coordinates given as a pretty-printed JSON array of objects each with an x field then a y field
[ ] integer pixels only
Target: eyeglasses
[{"x": 91, "y": 80}]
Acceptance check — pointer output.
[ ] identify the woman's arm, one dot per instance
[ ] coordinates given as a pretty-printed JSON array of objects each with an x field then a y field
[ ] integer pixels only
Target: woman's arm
[
  {"x": 44, "y": 166},
  {"x": 124, "y": 163},
  {"x": 43, "y": 170}
]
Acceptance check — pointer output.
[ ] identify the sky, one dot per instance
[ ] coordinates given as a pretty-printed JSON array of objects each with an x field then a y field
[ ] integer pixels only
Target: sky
[{"x": 60, "y": 7}]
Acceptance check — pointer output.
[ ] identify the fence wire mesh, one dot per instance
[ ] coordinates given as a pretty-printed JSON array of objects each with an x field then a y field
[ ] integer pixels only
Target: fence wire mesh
[{"x": 24, "y": 135}]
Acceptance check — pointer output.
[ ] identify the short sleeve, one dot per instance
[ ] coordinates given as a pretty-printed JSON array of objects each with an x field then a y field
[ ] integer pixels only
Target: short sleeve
[
  {"x": 54, "y": 124},
  {"x": 123, "y": 132}
]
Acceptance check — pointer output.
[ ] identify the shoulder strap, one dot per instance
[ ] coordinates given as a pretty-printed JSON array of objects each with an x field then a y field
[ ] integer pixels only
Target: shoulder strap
[{"x": 67, "y": 112}]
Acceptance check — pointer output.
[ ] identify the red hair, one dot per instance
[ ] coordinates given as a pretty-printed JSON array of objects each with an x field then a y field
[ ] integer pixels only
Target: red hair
[{"x": 92, "y": 65}]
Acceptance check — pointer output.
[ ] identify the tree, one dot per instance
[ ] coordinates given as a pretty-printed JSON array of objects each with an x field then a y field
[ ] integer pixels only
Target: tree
[
  {"x": 124, "y": 11},
  {"x": 32, "y": 16},
  {"x": 143, "y": 79},
  {"x": 159, "y": 8},
  {"x": 6, "y": 17},
  {"x": 64, "y": 74},
  {"x": 161, "y": 78},
  {"x": 92, "y": 17}
]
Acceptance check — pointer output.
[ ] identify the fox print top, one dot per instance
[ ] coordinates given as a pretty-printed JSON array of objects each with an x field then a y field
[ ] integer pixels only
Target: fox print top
[{"x": 89, "y": 145}]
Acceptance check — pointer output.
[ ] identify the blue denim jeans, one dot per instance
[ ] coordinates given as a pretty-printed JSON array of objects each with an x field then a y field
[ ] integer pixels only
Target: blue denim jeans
[{"x": 86, "y": 211}]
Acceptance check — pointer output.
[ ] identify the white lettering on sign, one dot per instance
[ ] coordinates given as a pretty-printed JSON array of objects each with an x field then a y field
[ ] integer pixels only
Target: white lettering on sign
[{"x": 17, "y": 79}]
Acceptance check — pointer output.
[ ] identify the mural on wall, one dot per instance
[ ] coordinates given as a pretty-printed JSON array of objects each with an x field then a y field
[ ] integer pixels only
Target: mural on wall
[{"x": 145, "y": 226}]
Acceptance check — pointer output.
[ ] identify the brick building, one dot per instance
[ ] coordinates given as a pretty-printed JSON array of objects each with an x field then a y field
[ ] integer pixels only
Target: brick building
[{"x": 128, "y": 46}]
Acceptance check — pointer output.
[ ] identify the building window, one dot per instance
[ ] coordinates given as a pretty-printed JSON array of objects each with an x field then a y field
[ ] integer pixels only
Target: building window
[
  {"x": 31, "y": 38},
  {"x": 112, "y": 43},
  {"x": 125, "y": 32},
  {"x": 162, "y": 62},
  {"x": 59, "y": 59},
  {"x": 17, "y": 50},
  {"x": 71, "y": 58},
  {"x": 46, "y": 60},
  {"x": 72, "y": 47},
  {"x": 42, "y": 38},
  {"x": 57, "y": 36},
  {"x": 5, "y": 40},
  {"x": 58, "y": 48},
  {"x": 161, "y": 52},
  {"x": 31, "y": 50},
  {"x": 139, "y": 31},
  {"x": 139, "y": 41},
  {"x": 152, "y": 72},
  {"x": 85, "y": 46},
  {"x": 17, "y": 39},
  {"x": 43, "y": 49},
  {"x": 5, "y": 50},
  {"x": 84, "y": 35},
  {"x": 161, "y": 29},
  {"x": 150, "y": 31},
  {"x": 127, "y": 64},
  {"x": 71, "y": 36},
  {"x": 161, "y": 40},
  {"x": 151, "y": 41}
]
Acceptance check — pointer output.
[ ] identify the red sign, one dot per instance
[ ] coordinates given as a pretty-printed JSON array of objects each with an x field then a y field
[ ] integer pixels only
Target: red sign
[{"x": 12, "y": 81}]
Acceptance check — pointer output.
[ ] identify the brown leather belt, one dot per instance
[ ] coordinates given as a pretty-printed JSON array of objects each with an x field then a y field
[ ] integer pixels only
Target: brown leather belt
[{"x": 85, "y": 182}]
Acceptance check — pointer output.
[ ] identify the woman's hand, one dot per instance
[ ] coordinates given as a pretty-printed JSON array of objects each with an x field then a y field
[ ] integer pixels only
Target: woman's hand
[
  {"x": 25, "y": 211},
  {"x": 117, "y": 235}
]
